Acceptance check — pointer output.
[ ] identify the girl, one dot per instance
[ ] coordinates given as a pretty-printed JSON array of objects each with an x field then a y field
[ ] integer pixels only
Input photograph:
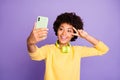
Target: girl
[{"x": 62, "y": 59}]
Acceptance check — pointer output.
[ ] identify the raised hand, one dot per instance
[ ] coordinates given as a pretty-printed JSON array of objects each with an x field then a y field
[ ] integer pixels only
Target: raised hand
[
  {"x": 80, "y": 33},
  {"x": 37, "y": 35}
]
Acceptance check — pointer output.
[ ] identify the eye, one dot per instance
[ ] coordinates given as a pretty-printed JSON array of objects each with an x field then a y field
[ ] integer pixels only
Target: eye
[
  {"x": 69, "y": 30},
  {"x": 60, "y": 29}
]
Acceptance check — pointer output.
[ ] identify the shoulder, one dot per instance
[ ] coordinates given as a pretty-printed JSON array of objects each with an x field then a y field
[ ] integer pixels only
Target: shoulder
[
  {"x": 48, "y": 46},
  {"x": 77, "y": 46}
]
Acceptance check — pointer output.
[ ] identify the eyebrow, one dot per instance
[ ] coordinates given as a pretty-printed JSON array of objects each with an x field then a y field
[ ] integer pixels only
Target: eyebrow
[
  {"x": 67, "y": 28},
  {"x": 70, "y": 28}
]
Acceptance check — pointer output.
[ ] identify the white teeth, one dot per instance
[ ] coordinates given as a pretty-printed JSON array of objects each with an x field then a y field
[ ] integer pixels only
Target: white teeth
[{"x": 63, "y": 37}]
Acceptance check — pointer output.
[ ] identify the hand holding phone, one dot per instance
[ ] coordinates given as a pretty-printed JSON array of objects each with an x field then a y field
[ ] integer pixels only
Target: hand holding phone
[{"x": 42, "y": 22}]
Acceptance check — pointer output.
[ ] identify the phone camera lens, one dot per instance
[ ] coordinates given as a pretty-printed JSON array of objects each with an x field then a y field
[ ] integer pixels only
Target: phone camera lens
[{"x": 39, "y": 19}]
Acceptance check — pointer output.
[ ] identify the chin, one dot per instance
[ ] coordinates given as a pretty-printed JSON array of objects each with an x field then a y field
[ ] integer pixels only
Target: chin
[{"x": 64, "y": 42}]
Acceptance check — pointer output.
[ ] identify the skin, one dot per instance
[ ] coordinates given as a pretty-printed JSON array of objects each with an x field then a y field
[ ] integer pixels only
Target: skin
[
  {"x": 64, "y": 34},
  {"x": 37, "y": 35}
]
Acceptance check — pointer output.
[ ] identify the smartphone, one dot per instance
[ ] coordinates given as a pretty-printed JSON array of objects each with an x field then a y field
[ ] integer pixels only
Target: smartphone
[{"x": 42, "y": 22}]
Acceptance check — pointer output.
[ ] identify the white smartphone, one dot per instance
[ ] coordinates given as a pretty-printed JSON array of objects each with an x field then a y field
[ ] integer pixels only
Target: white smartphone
[{"x": 42, "y": 22}]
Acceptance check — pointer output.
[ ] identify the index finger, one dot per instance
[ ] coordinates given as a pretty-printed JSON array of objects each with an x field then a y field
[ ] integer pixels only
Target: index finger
[{"x": 76, "y": 32}]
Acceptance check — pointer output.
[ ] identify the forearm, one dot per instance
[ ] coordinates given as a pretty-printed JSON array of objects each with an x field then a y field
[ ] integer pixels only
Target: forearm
[
  {"x": 31, "y": 47},
  {"x": 91, "y": 39},
  {"x": 83, "y": 34}
]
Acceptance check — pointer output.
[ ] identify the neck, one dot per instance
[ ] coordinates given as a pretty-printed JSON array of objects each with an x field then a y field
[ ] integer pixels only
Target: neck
[{"x": 61, "y": 45}]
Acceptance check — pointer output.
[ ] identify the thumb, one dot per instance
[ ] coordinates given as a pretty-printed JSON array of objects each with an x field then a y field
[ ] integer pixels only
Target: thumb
[{"x": 34, "y": 27}]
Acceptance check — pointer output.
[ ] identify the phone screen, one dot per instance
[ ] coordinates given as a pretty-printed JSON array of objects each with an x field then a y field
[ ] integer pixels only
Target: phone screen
[{"x": 42, "y": 22}]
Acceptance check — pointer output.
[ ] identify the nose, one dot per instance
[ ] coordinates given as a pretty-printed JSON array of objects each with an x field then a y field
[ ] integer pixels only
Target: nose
[{"x": 64, "y": 32}]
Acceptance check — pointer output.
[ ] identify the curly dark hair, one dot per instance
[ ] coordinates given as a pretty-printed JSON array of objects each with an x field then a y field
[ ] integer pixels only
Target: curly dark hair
[{"x": 69, "y": 18}]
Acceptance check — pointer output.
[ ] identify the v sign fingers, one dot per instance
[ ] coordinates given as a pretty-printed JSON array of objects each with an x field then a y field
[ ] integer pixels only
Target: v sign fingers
[
  {"x": 76, "y": 32},
  {"x": 80, "y": 33}
]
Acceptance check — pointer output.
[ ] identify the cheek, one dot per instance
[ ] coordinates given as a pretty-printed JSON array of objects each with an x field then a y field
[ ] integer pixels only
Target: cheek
[
  {"x": 58, "y": 33},
  {"x": 70, "y": 36}
]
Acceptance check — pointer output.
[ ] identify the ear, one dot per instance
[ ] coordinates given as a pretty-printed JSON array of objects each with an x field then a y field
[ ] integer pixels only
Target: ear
[{"x": 72, "y": 36}]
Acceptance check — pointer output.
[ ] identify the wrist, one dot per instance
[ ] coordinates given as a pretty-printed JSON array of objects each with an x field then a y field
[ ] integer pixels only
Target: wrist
[
  {"x": 30, "y": 42},
  {"x": 91, "y": 39},
  {"x": 86, "y": 36}
]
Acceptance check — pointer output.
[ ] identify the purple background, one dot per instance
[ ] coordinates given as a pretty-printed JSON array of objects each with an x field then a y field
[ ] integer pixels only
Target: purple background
[{"x": 101, "y": 19}]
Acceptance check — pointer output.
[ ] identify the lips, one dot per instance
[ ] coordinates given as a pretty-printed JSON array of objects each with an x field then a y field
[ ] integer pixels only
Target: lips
[{"x": 63, "y": 37}]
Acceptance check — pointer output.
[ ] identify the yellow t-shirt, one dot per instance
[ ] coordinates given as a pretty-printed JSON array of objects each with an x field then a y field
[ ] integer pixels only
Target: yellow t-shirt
[{"x": 65, "y": 66}]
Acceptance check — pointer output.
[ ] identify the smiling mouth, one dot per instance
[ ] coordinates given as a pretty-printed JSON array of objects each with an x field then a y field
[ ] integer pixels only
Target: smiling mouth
[{"x": 63, "y": 37}]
